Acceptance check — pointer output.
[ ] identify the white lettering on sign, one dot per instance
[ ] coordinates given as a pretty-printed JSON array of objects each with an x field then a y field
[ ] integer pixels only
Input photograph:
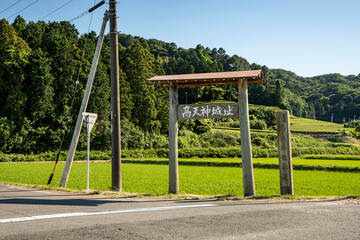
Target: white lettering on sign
[
  {"x": 187, "y": 113},
  {"x": 202, "y": 111}
]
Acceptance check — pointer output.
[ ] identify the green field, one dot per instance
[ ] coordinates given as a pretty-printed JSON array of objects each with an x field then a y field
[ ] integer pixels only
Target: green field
[
  {"x": 308, "y": 125},
  {"x": 153, "y": 179},
  {"x": 301, "y": 125},
  {"x": 324, "y": 162}
]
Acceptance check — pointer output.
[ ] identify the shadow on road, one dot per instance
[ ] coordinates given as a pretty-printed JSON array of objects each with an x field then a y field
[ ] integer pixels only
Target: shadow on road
[
  {"x": 68, "y": 200},
  {"x": 64, "y": 202},
  {"x": 84, "y": 202}
]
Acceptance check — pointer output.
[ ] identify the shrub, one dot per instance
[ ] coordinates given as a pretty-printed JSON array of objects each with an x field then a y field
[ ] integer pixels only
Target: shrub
[
  {"x": 6, "y": 129},
  {"x": 160, "y": 141},
  {"x": 220, "y": 139},
  {"x": 357, "y": 129},
  {"x": 228, "y": 122},
  {"x": 197, "y": 126},
  {"x": 258, "y": 141},
  {"x": 187, "y": 125},
  {"x": 132, "y": 137},
  {"x": 268, "y": 114},
  {"x": 188, "y": 139},
  {"x": 203, "y": 125},
  {"x": 352, "y": 124},
  {"x": 210, "y": 152},
  {"x": 258, "y": 124}
]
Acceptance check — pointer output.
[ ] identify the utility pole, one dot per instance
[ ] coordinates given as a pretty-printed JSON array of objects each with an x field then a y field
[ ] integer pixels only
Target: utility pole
[{"x": 115, "y": 99}]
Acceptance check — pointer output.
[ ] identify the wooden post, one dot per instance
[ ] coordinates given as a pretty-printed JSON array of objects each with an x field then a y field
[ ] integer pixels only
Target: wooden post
[
  {"x": 246, "y": 153},
  {"x": 173, "y": 140},
  {"x": 285, "y": 158}
]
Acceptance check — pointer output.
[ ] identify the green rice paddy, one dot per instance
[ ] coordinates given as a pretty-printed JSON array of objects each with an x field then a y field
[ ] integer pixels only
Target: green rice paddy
[
  {"x": 309, "y": 125},
  {"x": 201, "y": 180}
]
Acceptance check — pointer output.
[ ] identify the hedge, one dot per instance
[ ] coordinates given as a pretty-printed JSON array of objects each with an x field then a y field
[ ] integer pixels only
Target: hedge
[{"x": 182, "y": 153}]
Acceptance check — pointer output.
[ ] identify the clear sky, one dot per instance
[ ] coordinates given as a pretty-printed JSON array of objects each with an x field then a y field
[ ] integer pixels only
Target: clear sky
[{"x": 308, "y": 37}]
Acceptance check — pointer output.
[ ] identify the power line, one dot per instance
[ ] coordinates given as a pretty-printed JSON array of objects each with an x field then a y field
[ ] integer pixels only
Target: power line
[
  {"x": 80, "y": 16},
  {"x": 10, "y": 6},
  {"x": 88, "y": 11},
  {"x": 82, "y": 57},
  {"x": 57, "y": 9},
  {"x": 24, "y": 8},
  {"x": 72, "y": 20}
]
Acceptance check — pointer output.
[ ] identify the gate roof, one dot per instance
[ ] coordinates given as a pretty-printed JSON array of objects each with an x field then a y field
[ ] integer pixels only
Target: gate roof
[{"x": 208, "y": 79}]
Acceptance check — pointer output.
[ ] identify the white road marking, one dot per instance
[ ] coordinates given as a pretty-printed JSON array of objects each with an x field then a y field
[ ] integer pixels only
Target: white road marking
[{"x": 79, "y": 214}]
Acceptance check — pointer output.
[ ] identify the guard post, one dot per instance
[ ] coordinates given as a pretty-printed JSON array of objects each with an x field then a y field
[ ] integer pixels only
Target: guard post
[
  {"x": 201, "y": 111},
  {"x": 285, "y": 158}
]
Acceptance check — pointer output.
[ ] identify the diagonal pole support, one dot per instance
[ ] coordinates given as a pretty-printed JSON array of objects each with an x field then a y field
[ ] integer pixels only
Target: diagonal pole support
[{"x": 84, "y": 103}]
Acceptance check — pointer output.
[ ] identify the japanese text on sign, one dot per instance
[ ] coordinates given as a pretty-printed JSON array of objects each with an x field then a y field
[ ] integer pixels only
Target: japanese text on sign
[{"x": 202, "y": 111}]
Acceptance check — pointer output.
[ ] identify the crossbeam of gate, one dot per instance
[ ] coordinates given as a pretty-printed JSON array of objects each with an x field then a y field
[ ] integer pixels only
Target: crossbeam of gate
[{"x": 201, "y": 111}]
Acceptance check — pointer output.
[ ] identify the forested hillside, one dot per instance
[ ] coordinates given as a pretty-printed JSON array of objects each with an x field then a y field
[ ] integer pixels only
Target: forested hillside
[
  {"x": 317, "y": 97},
  {"x": 43, "y": 64}
]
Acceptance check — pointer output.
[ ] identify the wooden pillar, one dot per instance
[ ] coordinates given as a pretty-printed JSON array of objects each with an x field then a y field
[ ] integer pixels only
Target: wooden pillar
[
  {"x": 285, "y": 158},
  {"x": 173, "y": 140},
  {"x": 246, "y": 153}
]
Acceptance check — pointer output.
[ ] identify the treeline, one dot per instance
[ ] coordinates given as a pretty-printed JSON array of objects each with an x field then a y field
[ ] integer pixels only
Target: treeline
[
  {"x": 177, "y": 60},
  {"x": 43, "y": 64},
  {"x": 325, "y": 97},
  {"x": 43, "y": 71}
]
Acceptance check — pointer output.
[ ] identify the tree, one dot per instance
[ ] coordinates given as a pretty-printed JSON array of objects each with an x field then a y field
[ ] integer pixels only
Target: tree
[
  {"x": 149, "y": 100},
  {"x": 278, "y": 95},
  {"x": 14, "y": 54},
  {"x": 126, "y": 101},
  {"x": 19, "y": 24},
  {"x": 39, "y": 87}
]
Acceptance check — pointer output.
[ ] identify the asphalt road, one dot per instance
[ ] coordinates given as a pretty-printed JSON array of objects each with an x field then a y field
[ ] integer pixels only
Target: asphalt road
[{"x": 39, "y": 214}]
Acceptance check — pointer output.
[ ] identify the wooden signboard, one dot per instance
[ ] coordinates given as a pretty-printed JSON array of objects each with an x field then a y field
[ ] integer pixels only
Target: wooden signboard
[{"x": 202, "y": 111}]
